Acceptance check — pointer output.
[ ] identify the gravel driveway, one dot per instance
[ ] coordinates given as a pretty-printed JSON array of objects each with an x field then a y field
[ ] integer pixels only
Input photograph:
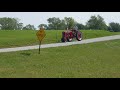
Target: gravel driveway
[{"x": 61, "y": 44}]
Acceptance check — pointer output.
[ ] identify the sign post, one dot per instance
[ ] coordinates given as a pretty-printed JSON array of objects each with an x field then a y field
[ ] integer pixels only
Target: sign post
[
  {"x": 39, "y": 46},
  {"x": 40, "y": 34}
]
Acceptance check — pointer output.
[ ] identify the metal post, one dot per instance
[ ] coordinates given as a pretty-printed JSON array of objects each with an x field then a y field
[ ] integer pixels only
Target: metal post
[{"x": 39, "y": 46}]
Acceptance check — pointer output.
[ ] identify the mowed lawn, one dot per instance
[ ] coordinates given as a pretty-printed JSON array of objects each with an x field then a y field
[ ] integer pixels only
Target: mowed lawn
[
  {"x": 94, "y": 60},
  {"x": 15, "y": 38}
]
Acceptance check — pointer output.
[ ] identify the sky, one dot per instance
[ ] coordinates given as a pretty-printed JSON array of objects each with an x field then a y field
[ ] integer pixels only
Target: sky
[{"x": 37, "y": 18}]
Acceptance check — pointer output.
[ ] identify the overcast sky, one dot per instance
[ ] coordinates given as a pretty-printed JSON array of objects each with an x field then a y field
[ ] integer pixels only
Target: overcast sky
[{"x": 36, "y": 18}]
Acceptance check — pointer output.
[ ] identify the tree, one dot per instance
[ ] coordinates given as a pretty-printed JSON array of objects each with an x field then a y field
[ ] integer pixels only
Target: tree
[
  {"x": 50, "y": 26},
  {"x": 8, "y": 23},
  {"x": 57, "y": 24},
  {"x": 96, "y": 23},
  {"x": 69, "y": 22},
  {"x": 54, "y": 23},
  {"x": 80, "y": 26},
  {"x": 0, "y": 26},
  {"x": 115, "y": 27},
  {"x": 46, "y": 27},
  {"x": 62, "y": 25},
  {"x": 20, "y": 26},
  {"x": 29, "y": 27}
]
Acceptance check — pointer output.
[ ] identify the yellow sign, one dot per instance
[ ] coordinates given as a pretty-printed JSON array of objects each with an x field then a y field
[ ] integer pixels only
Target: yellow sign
[{"x": 40, "y": 34}]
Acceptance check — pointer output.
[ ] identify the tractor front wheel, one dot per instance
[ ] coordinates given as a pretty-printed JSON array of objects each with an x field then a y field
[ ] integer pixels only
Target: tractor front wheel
[
  {"x": 63, "y": 39},
  {"x": 69, "y": 39}
]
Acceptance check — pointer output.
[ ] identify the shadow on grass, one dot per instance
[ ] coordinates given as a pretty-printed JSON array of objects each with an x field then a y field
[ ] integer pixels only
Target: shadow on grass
[{"x": 26, "y": 54}]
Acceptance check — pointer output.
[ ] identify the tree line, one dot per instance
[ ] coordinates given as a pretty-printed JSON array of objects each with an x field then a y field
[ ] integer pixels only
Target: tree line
[{"x": 54, "y": 23}]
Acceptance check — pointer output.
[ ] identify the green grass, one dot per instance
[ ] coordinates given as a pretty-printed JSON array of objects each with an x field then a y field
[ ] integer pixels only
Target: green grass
[
  {"x": 16, "y": 38},
  {"x": 95, "y": 60},
  {"x": 97, "y": 33}
]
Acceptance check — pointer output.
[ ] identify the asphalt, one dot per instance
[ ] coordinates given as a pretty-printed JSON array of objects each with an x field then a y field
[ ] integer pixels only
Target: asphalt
[{"x": 106, "y": 38}]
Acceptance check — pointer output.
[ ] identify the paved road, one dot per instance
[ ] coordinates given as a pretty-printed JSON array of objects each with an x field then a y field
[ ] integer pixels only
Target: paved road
[{"x": 61, "y": 44}]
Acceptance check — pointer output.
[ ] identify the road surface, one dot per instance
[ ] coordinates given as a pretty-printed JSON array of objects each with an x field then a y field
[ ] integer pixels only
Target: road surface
[{"x": 61, "y": 44}]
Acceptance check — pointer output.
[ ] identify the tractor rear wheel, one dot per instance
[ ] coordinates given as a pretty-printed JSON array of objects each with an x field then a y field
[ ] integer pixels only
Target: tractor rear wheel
[{"x": 79, "y": 35}]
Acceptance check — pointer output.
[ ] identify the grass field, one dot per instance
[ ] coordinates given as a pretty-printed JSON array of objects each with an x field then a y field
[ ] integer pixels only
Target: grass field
[
  {"x": 16, "y": 38},
  {"x": 95, "y": 60}
]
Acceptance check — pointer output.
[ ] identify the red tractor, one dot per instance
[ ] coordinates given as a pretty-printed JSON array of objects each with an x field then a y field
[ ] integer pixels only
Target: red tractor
[{"x": 69, "y": 35}]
